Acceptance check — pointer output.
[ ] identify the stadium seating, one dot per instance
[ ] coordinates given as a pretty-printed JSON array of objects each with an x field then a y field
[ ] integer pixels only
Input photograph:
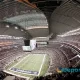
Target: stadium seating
[
  {"x": 52, "y": 51},
  {"x": 59, "y": 53},
  {"x": 57, "y": 59}
]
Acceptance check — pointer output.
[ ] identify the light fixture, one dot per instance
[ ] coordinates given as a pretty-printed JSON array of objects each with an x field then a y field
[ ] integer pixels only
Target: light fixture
[
  {"x": 7, "y": 26},
  {"x": 21, "y": 29},
  {"x": 16, "y": 27}
]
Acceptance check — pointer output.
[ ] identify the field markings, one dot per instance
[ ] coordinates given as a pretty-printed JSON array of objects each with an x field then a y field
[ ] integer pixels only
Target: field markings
[
  {"x": 19, "y": 62},
  {"x": 43, "y": 60},
  {"x": 27, "y": 60},
  {"x": 42, "y": 64}
]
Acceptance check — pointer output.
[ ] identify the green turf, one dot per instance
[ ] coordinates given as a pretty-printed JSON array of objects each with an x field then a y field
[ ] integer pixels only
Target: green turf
[{"x": 31, "y": 62}]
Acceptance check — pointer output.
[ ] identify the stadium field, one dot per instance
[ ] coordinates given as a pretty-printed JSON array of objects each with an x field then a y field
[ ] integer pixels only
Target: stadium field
[{"x": 30, "y": 66}]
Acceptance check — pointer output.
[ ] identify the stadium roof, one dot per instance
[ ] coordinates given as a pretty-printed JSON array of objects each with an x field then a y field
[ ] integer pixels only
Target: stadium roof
[
  {"x": 30, "y": 21},
  {"x": 35, "y": 18}
]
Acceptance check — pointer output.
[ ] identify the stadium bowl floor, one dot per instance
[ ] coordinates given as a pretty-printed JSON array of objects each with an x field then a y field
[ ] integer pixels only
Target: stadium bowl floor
[{"x": 29, "y": 66}]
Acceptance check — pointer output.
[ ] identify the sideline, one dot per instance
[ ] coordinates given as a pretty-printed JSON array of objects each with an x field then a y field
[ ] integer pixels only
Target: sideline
[{"x": 42, "y": 64}]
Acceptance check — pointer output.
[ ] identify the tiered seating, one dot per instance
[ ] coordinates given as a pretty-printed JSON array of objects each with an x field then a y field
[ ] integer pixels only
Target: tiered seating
[
  {"x": 10, "y": 49},
  {"x": 57, "y": 59},
  {"x": 61, "y": 55},
  {"x": 72, "y": 40},
  {"x": 9, "y": 56}
]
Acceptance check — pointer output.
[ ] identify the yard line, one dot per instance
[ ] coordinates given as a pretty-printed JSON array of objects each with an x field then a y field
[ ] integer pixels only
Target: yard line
[
  {"x": 25, "y": 62},
  {"x": 19, "y": 62},
  {"x": 42, "y": 64}
]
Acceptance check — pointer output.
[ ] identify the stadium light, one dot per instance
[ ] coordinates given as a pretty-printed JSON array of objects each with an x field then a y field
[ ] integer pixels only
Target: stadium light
[
  {"x": 7, "y": 26},
  {"x": 16, "y": 27},
  {"x": 21, "y": 29}
]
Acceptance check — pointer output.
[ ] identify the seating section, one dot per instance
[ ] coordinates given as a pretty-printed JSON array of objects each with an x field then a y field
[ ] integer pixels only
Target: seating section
[
  {"x": 57, "y": 59},
  {"x": 10, "y": 50},
  {"x": 63, "y": 53}
]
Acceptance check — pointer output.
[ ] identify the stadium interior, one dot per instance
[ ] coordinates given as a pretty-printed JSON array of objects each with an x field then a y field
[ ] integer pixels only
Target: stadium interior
[{"x": 38, "y": 38}]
